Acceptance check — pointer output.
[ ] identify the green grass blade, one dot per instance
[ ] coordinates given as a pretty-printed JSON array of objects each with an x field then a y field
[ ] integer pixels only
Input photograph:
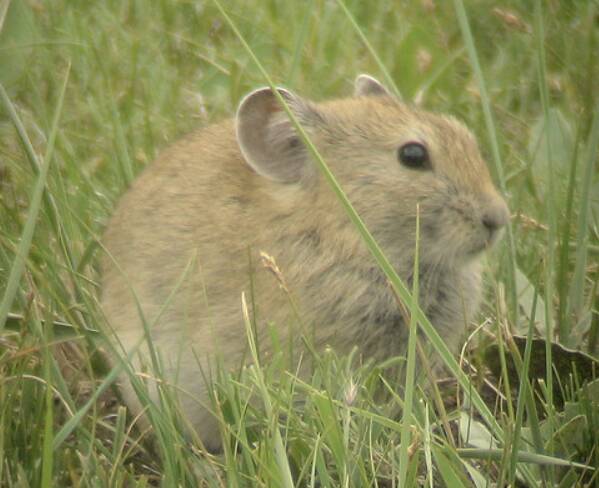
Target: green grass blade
[
  {"x": 523, "y": 457},
  {"x": 280, "y": 453},
  {"x": 331, "y": 433},
  {"x": 24, "y": 246},
  {"x": 426, "y": 85},
  {"x": 523, "y": 393},
  {"x": 47, "y": 451},
  {"x": 388, "y": 78},
  {"x": 499, "y": 172},
  {"x": 300, "y": 41},
  {"x": 576, "y": 298},
  {"x": 62, "y": 330},
  {"x": 406, "y": 420},
  {"x": 74, "y": 421},
  {"x": 551, "y": 210},
  {"x": 447, "y": 469},
  {"x": 122, "y": 365}
]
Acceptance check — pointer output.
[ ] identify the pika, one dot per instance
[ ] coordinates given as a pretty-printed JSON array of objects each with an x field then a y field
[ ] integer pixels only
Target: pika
[{"x": 184, "y": 241}]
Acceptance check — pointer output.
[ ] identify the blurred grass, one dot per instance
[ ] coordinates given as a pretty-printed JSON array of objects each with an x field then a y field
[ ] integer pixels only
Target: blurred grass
[{"x": 142, "y": 74}]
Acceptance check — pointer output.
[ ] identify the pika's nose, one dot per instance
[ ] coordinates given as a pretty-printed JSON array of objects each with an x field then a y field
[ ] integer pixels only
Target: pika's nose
[{"x": 495, "y": 216}]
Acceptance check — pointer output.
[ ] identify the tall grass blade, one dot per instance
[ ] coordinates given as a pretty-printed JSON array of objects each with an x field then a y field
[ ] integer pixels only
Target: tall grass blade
[
  {"x": 523, "y": 393},
  {"x": 406, "y": 420},
  {"x": 576, "y": 298},
  {"x": 388, "y": 78},
  {"x": 72, "y": 423},
  {"x": 24, "y": 246},
  {"x": 446, "y": 469},
  {"x": 564, "y": 331},
  {"x": 523, "y": 457},
  {"x": 47, "y": 451},
  {"x": 280, "y": 453},
  {"x": 499, "y": 172},
  {"x": 300, "y": 41},
  {"x": 123, "y": 364}
]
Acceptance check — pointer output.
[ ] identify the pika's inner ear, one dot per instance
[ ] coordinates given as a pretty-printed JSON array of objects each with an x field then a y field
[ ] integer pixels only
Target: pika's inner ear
[
  {"x": 367, "y": 86},
  {"x": 267, "y": 139}
]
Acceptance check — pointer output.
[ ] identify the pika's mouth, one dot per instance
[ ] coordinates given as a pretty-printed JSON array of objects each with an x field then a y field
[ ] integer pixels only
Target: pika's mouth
[
  {"x": 476, "y": 253},
  {"x": 480, "y": 247},
  {"x": 493, "y": 238},
  {"x": 484, "y": 245}
]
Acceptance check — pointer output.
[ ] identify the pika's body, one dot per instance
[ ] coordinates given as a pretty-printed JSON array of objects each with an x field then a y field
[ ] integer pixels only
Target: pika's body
[{"x": 184, "y": 235}]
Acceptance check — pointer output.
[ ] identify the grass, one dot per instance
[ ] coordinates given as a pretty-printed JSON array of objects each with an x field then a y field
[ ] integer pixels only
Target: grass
[{"x": 100, "y": 87}]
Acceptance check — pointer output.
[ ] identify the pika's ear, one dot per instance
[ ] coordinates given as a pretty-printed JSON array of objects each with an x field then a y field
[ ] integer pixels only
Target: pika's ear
[
  {"x": 367, "y": 86},
  {"x": 267, "y": 139}
]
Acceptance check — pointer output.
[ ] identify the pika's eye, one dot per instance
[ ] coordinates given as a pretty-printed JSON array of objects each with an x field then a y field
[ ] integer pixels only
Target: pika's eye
[{"x": 414, "y": 155}]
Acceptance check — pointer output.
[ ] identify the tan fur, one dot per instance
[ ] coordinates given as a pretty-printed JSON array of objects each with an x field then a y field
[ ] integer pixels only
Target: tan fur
[{"x": 201, "y": 205}]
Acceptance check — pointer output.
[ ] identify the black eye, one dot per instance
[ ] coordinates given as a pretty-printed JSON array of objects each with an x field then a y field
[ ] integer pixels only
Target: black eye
[{"x": 414, "y": 155}]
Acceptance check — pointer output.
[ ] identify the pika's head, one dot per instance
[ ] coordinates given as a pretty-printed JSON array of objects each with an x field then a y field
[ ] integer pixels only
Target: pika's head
[{"x": 393, "y": 161}]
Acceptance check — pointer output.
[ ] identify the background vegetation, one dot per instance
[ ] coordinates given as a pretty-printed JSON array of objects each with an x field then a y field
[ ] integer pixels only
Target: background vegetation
[{"x": 100, "y": 87}]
